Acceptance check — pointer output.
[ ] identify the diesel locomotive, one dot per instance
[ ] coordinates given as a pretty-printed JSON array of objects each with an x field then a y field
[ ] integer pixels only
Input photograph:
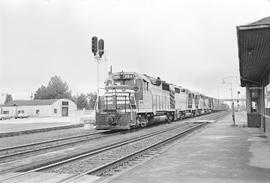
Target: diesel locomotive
[{"x": 133, "y": 100}]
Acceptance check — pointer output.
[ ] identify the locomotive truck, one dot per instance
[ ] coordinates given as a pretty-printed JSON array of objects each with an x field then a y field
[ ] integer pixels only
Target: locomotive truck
[{"x": 133, "y": 100}]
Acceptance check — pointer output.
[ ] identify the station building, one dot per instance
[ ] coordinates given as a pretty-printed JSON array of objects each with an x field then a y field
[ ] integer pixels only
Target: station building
[
  {"x": 40, "y": 108},
  {"x": 254, "y": 62}
]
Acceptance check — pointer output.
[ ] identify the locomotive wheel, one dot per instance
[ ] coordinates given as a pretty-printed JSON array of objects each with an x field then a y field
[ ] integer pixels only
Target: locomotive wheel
[
  {"x": 144, "y": 121},
  {"x": 170, "y": 118}
]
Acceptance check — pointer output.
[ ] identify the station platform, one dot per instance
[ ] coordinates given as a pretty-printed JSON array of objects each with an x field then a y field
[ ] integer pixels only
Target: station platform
[
  {"x": 220, "y": 152},
  {"x": 31, "y": 125}
]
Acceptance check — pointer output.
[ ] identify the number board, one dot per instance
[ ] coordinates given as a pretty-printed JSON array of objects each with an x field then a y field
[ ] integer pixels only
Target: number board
[
  {"x": 128, "y": 76},
  {"x": 125, "y": 76}
]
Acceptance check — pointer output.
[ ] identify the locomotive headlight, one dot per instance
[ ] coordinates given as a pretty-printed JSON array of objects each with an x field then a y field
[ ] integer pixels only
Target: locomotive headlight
[{"x": 110, "y": 119}]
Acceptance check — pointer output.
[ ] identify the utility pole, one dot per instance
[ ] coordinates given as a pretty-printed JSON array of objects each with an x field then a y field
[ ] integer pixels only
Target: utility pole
[
  {"x": 218, "y": 98},
  {"x": 97, "y": 60},
  {"x": 94, "y": 51},
  {"x": 233, "y": 111},
  {"x": 105, "y": 65},
  {"x": 233, "y": 115},
  {"x": 98, "y": 51}
]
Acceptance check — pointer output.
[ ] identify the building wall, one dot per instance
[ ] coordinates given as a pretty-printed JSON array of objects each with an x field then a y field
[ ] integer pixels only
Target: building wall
[
  {"x": 266, "y": 105},
  {"x": 248, "y": 102},
  {"x": 254, "y": 105},
  {"x": 43, "y": 110},
  {"x": 53, "y": 110},
  {"x": 10, "y": 110},
  {"x": 72, "y": 108},
  {"x": 267, "y": 125}
]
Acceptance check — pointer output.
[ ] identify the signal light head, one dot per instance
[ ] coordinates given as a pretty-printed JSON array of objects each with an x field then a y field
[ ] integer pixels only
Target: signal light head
[
  {"x": 94, "y": 45},
  {"x": 100, "y": 47}
]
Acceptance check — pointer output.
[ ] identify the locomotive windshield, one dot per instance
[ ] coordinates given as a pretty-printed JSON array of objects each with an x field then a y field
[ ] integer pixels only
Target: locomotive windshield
[
  {"x": 121, "y": 79},
  {"x": 124, "y": 82}
]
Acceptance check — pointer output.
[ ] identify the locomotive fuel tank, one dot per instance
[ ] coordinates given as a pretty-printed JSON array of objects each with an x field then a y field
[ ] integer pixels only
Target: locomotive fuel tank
[
  {"x": 159, "y": 119},
  {"x": 115, "y": 120}
]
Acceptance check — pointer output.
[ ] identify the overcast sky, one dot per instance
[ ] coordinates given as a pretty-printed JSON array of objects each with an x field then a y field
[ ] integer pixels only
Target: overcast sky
[{"x": 189, "y": 43}]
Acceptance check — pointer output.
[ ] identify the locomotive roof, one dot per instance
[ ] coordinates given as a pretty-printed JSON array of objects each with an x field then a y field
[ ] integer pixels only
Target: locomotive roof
[
  {"x": 149, "y": 79},
  {"x": 135, "y": 73}
]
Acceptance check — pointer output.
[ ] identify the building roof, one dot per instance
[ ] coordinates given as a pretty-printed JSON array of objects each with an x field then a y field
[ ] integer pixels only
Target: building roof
[
  {"x": 254, "y": 51},
  {"x": 31, "y": 102},
  {"x": 262, "y": 21}
]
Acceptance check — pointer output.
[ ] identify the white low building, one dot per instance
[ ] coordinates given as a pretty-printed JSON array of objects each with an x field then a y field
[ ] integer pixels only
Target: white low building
[{"x": 41, "y": 107}]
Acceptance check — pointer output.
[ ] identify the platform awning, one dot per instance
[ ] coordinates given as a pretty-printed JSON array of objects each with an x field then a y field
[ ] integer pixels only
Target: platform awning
[{"x": 254, "y": 51}]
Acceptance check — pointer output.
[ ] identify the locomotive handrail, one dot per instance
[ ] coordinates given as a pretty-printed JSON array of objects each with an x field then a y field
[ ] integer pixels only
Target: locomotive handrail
[{"x": 114, "y": 87}]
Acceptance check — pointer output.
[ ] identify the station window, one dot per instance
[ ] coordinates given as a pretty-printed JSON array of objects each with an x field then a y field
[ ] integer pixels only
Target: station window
[
  {"x": 254, "y": 106},
  {"x": 267, "y": 99},
  {"x": 37, "y": 111},
  {"x": 254, "y": 101},
  {"x": 5, "y": 112},
  {"x": 55, "y": 111},
  {"x": 64, "y": 103}
]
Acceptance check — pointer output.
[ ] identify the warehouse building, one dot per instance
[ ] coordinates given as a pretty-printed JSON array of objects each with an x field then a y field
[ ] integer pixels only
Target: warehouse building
[
  {"x": 254, "y": 62},
  {"x": 40, "y": 108}
]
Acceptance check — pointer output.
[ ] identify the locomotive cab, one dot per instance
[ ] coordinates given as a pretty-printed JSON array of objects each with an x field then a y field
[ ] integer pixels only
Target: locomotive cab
[{"x": 116, "y": 109}]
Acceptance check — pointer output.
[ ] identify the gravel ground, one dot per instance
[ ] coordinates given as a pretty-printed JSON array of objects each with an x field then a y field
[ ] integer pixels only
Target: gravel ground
[
  {"x": 49, "y": 135},
  {"x": 36, "y": 137},
  {"x": 92, "y": 162},
  {"x": 65, "y": 153}
]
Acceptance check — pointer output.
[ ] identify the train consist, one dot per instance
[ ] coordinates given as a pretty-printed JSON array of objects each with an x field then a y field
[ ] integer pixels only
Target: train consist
[{"x": 133, "y": 100}]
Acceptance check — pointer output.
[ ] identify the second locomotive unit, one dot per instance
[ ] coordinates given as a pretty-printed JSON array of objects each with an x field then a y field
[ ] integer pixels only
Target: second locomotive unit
[{"x": 135, "y": 100}]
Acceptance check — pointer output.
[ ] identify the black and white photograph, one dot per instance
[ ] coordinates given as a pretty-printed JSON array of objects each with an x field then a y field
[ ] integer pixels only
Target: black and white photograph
[{"x": 131, "y": 91}]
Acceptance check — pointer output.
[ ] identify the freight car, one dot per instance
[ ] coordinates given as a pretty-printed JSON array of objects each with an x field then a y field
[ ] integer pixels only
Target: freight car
[{"x": 133, "y": 100}]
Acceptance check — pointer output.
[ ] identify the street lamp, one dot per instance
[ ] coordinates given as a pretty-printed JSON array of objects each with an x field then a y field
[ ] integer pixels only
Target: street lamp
[{"x": 223, "y": 81}]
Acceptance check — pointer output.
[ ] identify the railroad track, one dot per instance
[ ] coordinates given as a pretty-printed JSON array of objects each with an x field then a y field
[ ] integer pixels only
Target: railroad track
[
  {"x": 211, "y": 116},
  {"x": 113, "y": 161},
  {"x": 15, "y": 152},
  {"x": 19, "y": 151},
  {"x": 111, "y": 156},
  {"x": 106, "y": 157}
]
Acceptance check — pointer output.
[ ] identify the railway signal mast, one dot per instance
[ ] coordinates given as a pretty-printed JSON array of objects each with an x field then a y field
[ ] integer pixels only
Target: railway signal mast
[{"x": 98, "y": 51}]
